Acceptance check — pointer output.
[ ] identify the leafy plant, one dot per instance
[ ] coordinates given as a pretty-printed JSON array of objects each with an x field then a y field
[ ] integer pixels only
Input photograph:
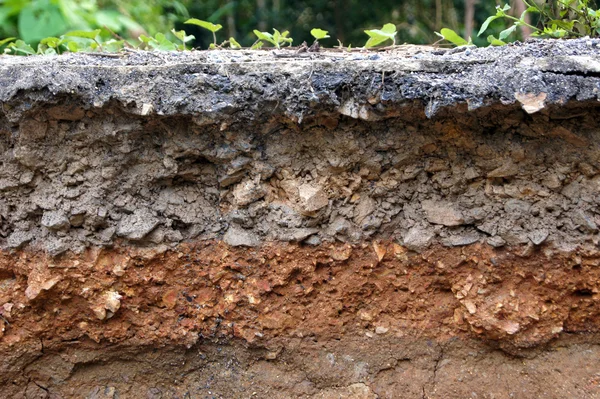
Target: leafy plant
[
  {"x": 234, "y": 43},
  {"x": 452, "y": 37},
  {"x": 180, "y": 34},
  {"x": 276, "y": 39},
  {"x": 319, "y": 34},
  {"x": 159, "y": 42},
  {"x": 557, "y": 19},
  {"x": 214, "y": 28},
  {"x": 378, "y": 36}
]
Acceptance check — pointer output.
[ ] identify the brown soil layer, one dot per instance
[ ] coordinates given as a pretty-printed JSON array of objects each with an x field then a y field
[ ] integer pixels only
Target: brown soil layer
[{"x": 276, "y": 302}]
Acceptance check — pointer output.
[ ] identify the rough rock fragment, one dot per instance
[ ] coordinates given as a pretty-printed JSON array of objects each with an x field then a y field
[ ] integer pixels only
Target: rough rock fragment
[
  {"x": 458, "y": 240},
  {"x": 507, "y": 169},
  {"x": 55, "y": 220},
  {"x": 19, "y": 238},
  {"x": 238, "y": 237},
  {"x": 137, "y": 225},
  {"x": 37, "y": 282},
  {"x": 365, "y": 207},
  {"x": 584, "y": 221},
  {"x": 531, "y": 102},
  {"x": 248, "y": 191},
  {"x": 108, "y": 304},
  {"x": 296, "y": 235},
  {"x": 442, "y": 212},
  {"x": 418, "y": 238},
  {"x": 537, "y": 237},
  {"x": 312, "y": 198}
]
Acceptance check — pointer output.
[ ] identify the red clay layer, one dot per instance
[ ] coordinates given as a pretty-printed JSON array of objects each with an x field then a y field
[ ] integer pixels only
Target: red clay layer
[{"x": 515, "y": 297}]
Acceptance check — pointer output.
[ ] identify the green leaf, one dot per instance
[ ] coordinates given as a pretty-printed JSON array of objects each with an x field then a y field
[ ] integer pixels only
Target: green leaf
[
  {"x": 145, "y": 39},
  {"x": 258, "y": 45},
  {"x": 506, "y": 32},
  {"x": 280, "y": 38},
  {"x": 486, "y": 23},
  {"x": 319, "y": 34},
  {"x": 452, "y": 37},
  {"x": 40, "y": 19},
  {"x": 52, "y": 42},
  {"x": 378, "y": 36},
  {"x": 4, "y": 41},
  {"x": 266, "y": 36},
  {"x": 73, "y": 46},
  {"x": 234, "y": 43},
  {"x": 495, "y": 42},
  {"x": 20, "y": 47},
  {"x": 113, "y": 46},
  {"x": 566, "y": 25},
  {"x": 180, "y": 34},
  {"x": 204, "y": 24},
  {"x": 84, "y": 34},
  {"x": 161, "y": 43}
]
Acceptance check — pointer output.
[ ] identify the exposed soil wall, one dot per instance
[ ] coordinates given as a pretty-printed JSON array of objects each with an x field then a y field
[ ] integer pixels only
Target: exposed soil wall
[{"x": 416, "y": 223}]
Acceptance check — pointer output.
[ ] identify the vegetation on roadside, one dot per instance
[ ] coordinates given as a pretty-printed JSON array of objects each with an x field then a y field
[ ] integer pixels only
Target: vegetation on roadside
[
  {"x": 554, "y": 19},
  {"x": 39, "y": 24}
]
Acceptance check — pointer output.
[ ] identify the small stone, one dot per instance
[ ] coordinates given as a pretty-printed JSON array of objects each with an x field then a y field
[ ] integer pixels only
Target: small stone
[
  {"x": 55, "y": 220},
  {"x": 103, "y": 393},
  {"x": 380, "y": 250},
  {"x": 527, "y": 251},
  {"x": 584, "y": 221},
  {"x": 138, "y": 225},
  {"x": 297, "y": 235},
  {"x": 418, "y": 238},
  {"x": 147, "y": 109},
  {"x": 341, "y": 253},
  {"x": 365, "y": 207},
  {"x": 313, "y": 240},
  {"x": 169, "y": 298},
  {"x": 248, "y": 191},
  {"x": 537, "y": 237},
  {"x": 441, "y": 212},
  {"x": 36, "y": 283},
  {"x": 508, "y": 169},
  {"x": 530, "y": 102},
  {"x": 19, "y": 238},
  {"x": 56, "y": 247},
  {"x": 312, "y": 198},
  {"x": 340, "y": 226},
  {"x": 510, "y": 327},
  {"x": 238, "y": 237},
  {"x": 108, "y": 304},
  {"x": 517, "y": 207},
  {"x": 496, "y": 241},
  {"x": 471, "y": 307},
  {"x": 381, "y": 330},
  {"x": 457, "y": 240}
]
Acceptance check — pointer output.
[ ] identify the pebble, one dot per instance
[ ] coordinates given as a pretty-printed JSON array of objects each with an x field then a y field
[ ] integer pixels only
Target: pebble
[{"x": 238, "y": 237}]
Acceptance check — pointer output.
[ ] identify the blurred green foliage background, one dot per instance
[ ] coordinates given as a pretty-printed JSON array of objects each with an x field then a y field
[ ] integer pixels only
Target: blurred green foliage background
[{"x": 416, "y": 20}]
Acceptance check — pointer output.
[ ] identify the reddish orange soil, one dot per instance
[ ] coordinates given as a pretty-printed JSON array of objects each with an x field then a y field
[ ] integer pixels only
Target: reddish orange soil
[
  {"x": 279, "y": 294},
  {"x": 157, "y": 296}
]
